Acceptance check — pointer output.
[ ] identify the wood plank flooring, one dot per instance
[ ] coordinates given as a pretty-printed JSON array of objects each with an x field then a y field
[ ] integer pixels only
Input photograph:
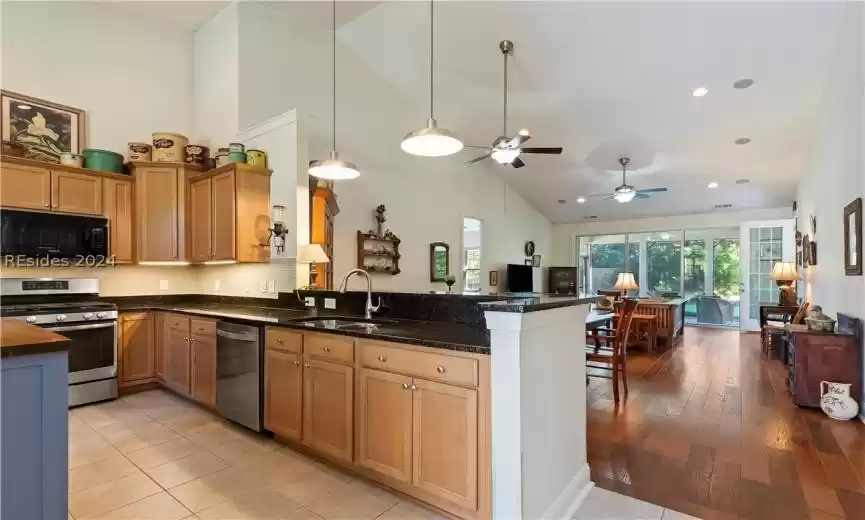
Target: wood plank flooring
[{"x": 709, "y": 430}]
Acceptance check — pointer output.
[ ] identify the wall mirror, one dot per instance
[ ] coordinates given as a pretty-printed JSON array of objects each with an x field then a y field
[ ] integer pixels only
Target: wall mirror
[
  {"x": 439, "y": 260},
  {"x": 853, "y": 238}
]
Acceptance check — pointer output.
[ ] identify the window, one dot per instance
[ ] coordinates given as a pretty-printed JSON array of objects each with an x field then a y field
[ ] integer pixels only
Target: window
[{"x": 472, "y": 262}]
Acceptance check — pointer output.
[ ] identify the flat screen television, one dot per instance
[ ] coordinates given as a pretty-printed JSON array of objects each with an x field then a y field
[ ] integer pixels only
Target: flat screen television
[{"x": 520, "y": 278}]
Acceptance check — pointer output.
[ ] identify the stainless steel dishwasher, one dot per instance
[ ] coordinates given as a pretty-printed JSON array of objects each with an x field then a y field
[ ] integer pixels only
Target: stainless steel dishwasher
[{"x": 239, "y": 372}]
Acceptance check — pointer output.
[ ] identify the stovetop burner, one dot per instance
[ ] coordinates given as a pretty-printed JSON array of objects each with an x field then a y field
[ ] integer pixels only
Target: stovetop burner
[{"x": 23, "y": 309}]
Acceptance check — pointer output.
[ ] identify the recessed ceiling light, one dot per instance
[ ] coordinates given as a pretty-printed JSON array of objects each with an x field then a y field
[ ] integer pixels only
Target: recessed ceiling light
[
  {"x": 561, "y": 201},
  {"x": 713, "y": 185},
  {"x": 591, "y": 217},
  {"x": 742, "y": 181},
  {"x": 581, "y": 200},
  {"x": 742, "y": 140},
  {"x": 723, "y": 206},
  {"x": 24, "y": 107},
  {"x": 700, "y": 92},
  {"x": 743, "y": 83}
]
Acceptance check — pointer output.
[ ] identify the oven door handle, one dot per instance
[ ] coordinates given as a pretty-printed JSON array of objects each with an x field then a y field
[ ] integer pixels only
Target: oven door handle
[{"x": 83, "y": 327}]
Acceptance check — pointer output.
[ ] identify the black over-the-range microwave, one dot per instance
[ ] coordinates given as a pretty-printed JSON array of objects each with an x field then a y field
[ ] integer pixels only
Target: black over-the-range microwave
[{"x": 31, "y": 234}]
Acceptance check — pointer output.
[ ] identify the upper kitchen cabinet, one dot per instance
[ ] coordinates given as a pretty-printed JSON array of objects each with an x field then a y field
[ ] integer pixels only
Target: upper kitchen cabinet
[
  {"x": 160, "y": 201},
  {"x": 117, "y": 208},
  {"x": 230, "y": 214},
  {"x": 25, "y": 187},
  {"x": 76, "y": 192}
]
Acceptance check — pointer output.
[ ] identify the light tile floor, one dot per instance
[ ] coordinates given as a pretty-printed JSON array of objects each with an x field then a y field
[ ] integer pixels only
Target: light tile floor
[{"x": 156, "y": 456}]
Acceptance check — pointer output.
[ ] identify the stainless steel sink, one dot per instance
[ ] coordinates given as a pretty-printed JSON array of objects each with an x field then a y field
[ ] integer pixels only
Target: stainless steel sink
[{"x": 346, "y": 324}]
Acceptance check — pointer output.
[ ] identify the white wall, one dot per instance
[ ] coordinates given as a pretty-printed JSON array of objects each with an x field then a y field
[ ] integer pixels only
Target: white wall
[
  {"x": 836, "y": 175},
  {"x": 564, "y": 235},
  {"x": 216, "y": 84},
  {"x": 131, "y": 76}
]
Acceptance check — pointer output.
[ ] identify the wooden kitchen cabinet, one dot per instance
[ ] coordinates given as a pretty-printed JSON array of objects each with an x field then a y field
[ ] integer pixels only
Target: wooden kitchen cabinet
[
  {"x": 224, "y": 217},
  {"x": 136, "y": 348},
  {"x": 177, "y": 354},
  {"x": 117, "y": 208},
  {"x": 159, "y": 344},
  {"x": 385, "y": 423},
  {"x": 76, "y": 192},
  {"x": 201, "y": 213},
  {"x": 445, "y": 442},
  {"x": 25, "y": 187},
  {"x": 283, "y": 393},
  {"x": 160, "y": 202},
  {"x": 203, "y": 363},
  {"x": 328, "y": 393}
]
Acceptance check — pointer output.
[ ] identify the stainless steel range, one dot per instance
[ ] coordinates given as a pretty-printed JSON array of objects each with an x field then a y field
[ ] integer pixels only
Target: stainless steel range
[{"x": 71, "y": 307}]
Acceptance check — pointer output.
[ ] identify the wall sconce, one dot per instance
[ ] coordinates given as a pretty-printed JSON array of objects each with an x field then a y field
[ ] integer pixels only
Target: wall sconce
[{"x": 278, "y": 231}]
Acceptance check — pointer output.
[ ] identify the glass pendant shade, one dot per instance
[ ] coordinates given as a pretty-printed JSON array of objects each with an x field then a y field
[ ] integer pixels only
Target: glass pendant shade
[
  {"x": 431, "y": 141},
  {"x": 505, "y": 155},
  {"x": 625, "y": 195},
  {"x": 333, "y": 168}
]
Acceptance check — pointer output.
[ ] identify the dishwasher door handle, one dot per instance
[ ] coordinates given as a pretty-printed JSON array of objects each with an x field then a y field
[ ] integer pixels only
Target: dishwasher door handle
[{"x": 239, "y": 337}]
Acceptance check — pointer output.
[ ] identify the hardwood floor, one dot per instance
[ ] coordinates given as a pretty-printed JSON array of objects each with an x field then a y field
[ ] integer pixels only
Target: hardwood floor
[{"x": 709, "y": 430}]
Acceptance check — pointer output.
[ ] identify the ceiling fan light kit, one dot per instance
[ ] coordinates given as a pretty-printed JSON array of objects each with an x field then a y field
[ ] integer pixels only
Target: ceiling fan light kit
[
  {"x": 431, "y": 141},
  {"x": 333, "y": 168}
]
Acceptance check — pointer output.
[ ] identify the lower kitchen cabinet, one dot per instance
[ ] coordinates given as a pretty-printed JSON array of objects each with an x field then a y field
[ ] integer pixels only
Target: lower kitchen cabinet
[
  {"x": 136, "y": 348},
  {"x": 159, "y": 344},
  {"x": 283, "y": 393},
  {"x": 177, "y": 355},
  {"x": 385, "y": 424},
  {"x": 203, "y": 362},
  {"x": 328, "y": 403}
]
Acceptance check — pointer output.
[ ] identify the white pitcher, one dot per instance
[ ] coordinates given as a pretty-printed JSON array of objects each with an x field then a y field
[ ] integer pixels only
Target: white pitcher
[{"x": 836, "y": 402}]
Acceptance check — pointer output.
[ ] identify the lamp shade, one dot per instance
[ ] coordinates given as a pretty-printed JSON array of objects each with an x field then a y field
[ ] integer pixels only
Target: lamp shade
[
  {"x": 312, "y": 254},
  {"x": 785, "y": 272},
  {"x": 626, "y": 282}
]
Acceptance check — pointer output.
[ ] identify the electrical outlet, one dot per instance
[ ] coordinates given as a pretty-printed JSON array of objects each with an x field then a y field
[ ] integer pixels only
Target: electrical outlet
[
  {"x": 330, "y": 303},
  {"x": 309, "y": 301},
  {"x": 216, "y": 285},
  {"x": 271, "y": 286},
  {"x": 264, "y": 286},
  {"x": 163, "y": 285}
]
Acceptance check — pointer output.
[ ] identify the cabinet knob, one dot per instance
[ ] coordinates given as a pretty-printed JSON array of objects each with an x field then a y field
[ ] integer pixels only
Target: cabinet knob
[
  {"x": 383, "y": 359},
  {"x": 440, "y": 369},
  {"x": 306, "y": 365},
  {"x": 405, "y": 386},
  {"x": 47, "y": 205},
  {"x": 326, "y": 349},
  {"x": 185, "y": 339},
  {"x": 414, "y": 387},
  {"x": 297, "y": 363},
  {"x": 279, "y": 341}
]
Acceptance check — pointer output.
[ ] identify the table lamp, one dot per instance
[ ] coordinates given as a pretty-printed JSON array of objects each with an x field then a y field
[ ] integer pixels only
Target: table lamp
[
  {"x": 312, "y": 254},
  {"x": 784, "y": 274},
  {"x": 625, "y": 282}
]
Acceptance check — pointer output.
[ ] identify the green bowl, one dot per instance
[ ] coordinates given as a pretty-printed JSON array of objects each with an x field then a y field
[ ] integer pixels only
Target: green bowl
[{"x": 103, "y": 160}]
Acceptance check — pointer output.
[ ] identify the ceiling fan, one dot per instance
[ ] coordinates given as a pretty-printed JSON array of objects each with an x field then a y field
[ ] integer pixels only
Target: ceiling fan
[
  {"x": 626, "y": 192},
  {"x": 507, "y": 150}
]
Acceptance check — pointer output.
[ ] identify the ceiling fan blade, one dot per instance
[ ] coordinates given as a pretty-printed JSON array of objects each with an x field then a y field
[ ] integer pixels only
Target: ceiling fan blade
[
  {"x": 642, "y": 196},
  {"x": 476, "y": 160},
  {"x": 596, "y": 195},
  {"x": 517, "y": 163},
  {"x": 476, "y": 147},
  {"x": 547, "y": 150},
  {"x": 652, "y": 190}
]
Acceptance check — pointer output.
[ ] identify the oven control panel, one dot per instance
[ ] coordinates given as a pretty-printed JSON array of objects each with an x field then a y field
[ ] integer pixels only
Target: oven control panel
[{"x": 45, "y": 285}]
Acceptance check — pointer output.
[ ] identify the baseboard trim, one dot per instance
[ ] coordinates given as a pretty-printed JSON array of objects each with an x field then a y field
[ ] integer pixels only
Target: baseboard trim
[{"x": 570, "y": 499}]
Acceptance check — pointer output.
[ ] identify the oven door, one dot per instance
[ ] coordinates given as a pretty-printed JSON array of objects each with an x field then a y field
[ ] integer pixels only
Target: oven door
[{"x": 92, "y": 350}]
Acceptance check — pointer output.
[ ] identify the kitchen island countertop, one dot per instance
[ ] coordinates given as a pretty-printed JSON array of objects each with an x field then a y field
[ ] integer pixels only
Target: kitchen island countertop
[{"x": 19, "y": 338}]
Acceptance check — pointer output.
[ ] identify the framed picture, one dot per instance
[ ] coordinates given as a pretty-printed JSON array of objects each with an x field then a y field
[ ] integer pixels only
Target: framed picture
[
  {"x": 853, "y": 238},
  {"x": 494, "y": 278},
  {"x": 536, "y": 260},
  {"x": 43, "y": 128},
  {"x": 806, "y": 251}
]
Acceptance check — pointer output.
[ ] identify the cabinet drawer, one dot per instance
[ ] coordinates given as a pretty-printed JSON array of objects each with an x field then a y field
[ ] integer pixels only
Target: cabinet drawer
[
  {"x": 177, "y": 322},
  {"x": 436, "y": 367},
  {"x": 329, "y": 348},
  {"x": 202, "y": 327},
  {"x": 283, "y": 339}
]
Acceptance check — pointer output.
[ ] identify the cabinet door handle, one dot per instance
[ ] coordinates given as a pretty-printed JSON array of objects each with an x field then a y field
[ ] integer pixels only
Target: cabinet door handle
[
  {"x": 306, "y": 365},
  {"x": 297, "y": 363},
  {"x": 185, "y": 339},
  {"x": 440, "y": 369},
  {"x": 279, "y": 341},
  {"x": 405, "y": 386},
  {"x": 413, "y": 387},
  {"x": 326, "y": 349},
  {"x": 47, "y": 205},
  {"x": 383, "y": 359}
]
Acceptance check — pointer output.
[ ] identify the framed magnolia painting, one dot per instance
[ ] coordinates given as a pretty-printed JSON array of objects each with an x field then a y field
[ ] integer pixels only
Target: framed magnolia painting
[{"x": 43, "y": 128}]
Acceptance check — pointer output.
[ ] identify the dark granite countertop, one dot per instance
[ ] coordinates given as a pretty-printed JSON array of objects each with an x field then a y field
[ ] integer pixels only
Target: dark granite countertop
[
  {"x": 445, "y": 335},
  {"x": 536, "y": 303}
]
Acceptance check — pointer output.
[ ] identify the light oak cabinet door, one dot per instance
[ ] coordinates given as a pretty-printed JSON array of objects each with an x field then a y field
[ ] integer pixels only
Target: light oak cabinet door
[
  {"x": 177, "y": 359},
  {"x": 201, "y": 212},
  {"x": 283, "y": 393},
  {"x": 117, "y": 207},
  {"x": 204, "y": 368},
  {"x": 76, "y": 193},
  {"x": 385, "y": 424},
  {"x": 445, "y": 442},
  {"x": 158, "y": 192},
  {"x": 159, "y": 338},
  {"x": 328, "y": 393},
  {"x": 224, "y": 216},
  {"x": 137, "y": 355},
  {"x": 25, "y": 187}
]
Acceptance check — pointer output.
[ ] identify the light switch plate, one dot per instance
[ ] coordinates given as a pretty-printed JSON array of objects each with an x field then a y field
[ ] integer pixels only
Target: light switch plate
[
  {"x": 271, "y": 286},
  {"x": 309, "y": 301},
  {"x": 264, "y": 286},
  {"x": 330, "y": 303},
  {"x": 216, "y": 285},
  {"x": 163, "y": 285}
]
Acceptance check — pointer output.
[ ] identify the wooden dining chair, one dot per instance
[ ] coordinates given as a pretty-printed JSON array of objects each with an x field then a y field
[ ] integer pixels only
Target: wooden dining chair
[{"x": 610, "y": 349}]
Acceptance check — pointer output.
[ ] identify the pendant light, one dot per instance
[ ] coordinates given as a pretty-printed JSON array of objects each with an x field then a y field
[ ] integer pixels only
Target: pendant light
[
  {"x": 431, "y": 141},
  {"x": 333, "y": 168}
]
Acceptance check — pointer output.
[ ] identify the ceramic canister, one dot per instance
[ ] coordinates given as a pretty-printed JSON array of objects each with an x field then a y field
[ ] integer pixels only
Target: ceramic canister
[
  {"x": 138, "y": 151},
  {"x": 236, "y": 157},
  {"x": 256, "y": 158},
  {"x": 236, "y": 147},
  {"x": 168, "y": 147},
  {"x": 71, "y": 159},
  {"x": 196, "y": 154},
  {"x": 222, "y": 156}
]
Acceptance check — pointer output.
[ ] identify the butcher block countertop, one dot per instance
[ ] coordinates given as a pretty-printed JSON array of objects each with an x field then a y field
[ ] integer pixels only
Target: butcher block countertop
[{"x": 18, "y": 338}]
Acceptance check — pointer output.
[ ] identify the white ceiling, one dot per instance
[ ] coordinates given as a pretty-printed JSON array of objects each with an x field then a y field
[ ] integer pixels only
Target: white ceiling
[{"x": 603, "y": 79}]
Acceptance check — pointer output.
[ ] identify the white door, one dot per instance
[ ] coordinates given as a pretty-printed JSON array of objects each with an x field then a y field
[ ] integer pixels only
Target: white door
[{"x": 762, "y": 243}]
